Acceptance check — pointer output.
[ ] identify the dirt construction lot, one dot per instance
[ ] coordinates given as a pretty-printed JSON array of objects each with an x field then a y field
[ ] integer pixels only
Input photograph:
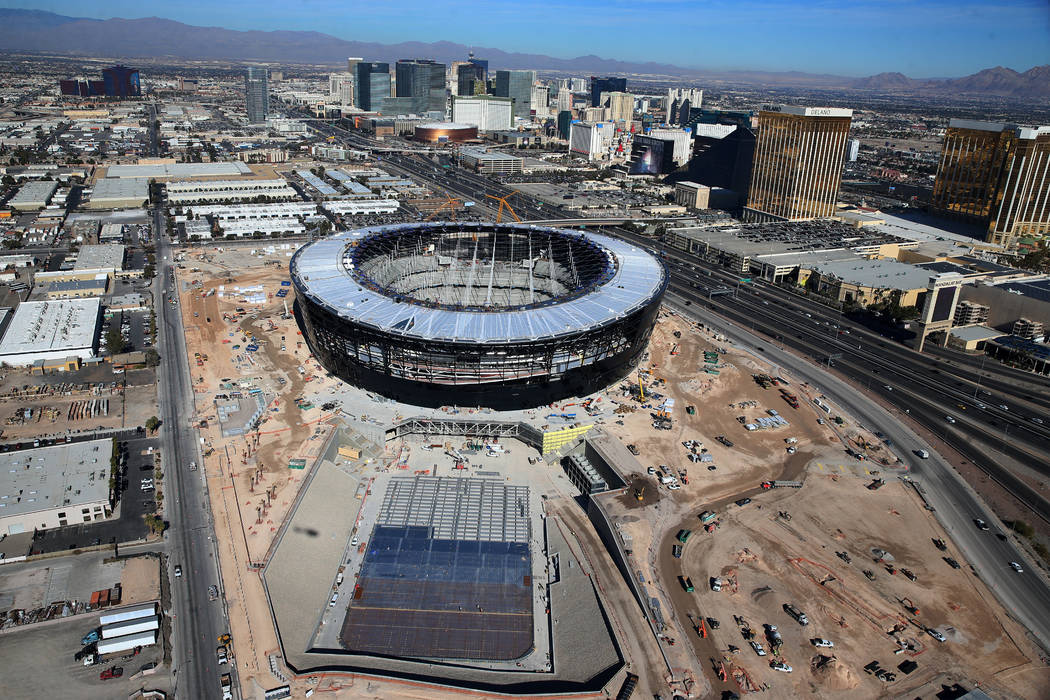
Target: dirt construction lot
[{"x": 781, "y": 548}]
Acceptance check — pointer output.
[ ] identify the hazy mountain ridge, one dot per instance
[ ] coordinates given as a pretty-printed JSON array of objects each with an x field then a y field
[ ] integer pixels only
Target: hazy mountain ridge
[{"x": 154, "y": 37}]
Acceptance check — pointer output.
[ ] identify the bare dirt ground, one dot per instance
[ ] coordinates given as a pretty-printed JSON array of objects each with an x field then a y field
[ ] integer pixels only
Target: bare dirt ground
[
  {"x": 60, "y": 414},
  {"x": 781, "y": 548},
  {"x": 140, "y": 580}
]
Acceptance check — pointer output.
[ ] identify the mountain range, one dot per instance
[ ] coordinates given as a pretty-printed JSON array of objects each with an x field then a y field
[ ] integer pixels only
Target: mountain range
[{"x": 158, "y": 38}]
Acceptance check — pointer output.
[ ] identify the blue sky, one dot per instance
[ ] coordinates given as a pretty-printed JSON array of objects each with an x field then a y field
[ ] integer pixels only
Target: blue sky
[{"x": 935, "y": 38}]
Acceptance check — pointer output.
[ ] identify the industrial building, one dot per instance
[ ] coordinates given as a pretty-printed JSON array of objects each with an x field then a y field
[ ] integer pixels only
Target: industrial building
[
  {"x": 51, "y": 330},
  {"x": 119, "y": 193},
  {"x": 229, "y": 191},
  {"x": 995, "y": 176},
  {"x": 49, "y": 487},
  {"x": 484, "y": 161},
  {"x": 35, "y": 194},
  {"x": 550, "y": 313},
  {"x": 73, "y": 289},
  {"x": 798, "y": 162},
  {"x": 486, "y": 112},
  {"x": 105, "y": 257},
  {"x": 363, "y": 206},
  {"x": 173, "y": 170}
]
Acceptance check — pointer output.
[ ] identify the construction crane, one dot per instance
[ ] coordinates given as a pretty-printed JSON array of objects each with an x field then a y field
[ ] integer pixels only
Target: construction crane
[
  {"x": 504, "y": 203},
  {"x": 451, "y": 204}
]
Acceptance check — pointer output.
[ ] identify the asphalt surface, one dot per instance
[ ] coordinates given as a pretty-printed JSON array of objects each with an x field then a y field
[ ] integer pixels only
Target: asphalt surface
[
  {"x": 1025, "y": 595},
  {"x": 197, "y": 622}
]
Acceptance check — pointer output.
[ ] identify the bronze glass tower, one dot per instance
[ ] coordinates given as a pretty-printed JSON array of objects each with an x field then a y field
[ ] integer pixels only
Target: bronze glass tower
[
  {"x": 996, "y": 176},
  {"x": 798, "y": 162}
]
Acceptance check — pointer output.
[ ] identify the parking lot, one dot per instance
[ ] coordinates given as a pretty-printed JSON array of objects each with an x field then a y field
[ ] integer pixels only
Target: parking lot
[
  {"x": 135, "y": 503},
  {"x": 37, "y": 662}
]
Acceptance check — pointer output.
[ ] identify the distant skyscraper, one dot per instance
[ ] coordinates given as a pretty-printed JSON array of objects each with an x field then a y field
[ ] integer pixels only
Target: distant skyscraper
[
  {"x": 481, "y": 63},
  {"x": 798, "y": 162},
  {"x": 351, "y": 64},
  {"x": 540, "y": 100},
  {"x": 257, "y": 94},
  {"x": 371, "y": 85},
  {"x": 600, "y": 85},
  {"x": 852, "y": 149},
  {"x": 470, "y": 80},
  {"x": 723, "y": 155},
  {"x": 564, "y": 100},
  {"x": 620, "y": 105},
  {"x": 517, "y": 85},
  {"x": 996, "y": 176},
  {"x": 341, "y": 88},
  {"x": 564, "y": 120},
  {"x": 487, "y": 112},
  {"x": 424, "y": 82},
  {"x": 694, "y": 95},
  {"x": 121, "y": 81}
]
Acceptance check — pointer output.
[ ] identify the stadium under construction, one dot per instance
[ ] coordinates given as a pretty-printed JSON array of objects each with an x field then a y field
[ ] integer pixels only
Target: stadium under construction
[{"x": 477, "y": 314}]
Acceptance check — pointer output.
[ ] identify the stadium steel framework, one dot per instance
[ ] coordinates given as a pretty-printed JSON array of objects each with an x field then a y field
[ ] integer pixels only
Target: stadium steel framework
[{"x": 476, "y": 314}]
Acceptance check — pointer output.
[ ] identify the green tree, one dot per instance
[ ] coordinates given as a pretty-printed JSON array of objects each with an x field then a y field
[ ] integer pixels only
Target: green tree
[
  {"x": 152, "y": 423},
  {"x": 152, "y": 358},
  {"x": 114, "y": 341}
]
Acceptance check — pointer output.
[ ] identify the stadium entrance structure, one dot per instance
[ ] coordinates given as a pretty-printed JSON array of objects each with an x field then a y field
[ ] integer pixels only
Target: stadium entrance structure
[{"x": 477, "y": 314}]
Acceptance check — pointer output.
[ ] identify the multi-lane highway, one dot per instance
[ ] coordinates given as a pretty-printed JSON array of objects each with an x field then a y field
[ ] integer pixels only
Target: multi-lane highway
[{"x": 197, "y": 620}]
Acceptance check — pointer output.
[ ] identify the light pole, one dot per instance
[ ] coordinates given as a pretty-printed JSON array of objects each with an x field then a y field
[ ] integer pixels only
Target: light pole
[{"x": 979, "y": 375}]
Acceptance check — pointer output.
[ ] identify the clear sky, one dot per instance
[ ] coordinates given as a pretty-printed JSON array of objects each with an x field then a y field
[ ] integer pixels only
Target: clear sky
[{"x": 920, "y": 38}]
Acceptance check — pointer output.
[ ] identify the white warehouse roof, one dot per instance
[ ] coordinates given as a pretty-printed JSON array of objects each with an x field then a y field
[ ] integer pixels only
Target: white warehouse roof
[
  {"x": 42, "y": 330},
  {"x": 51, "y": 477}
]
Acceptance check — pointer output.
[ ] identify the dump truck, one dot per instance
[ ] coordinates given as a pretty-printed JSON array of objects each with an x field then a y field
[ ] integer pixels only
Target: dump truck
[
  {"x": 798, "y": 615},
  {"x": 226, "y": 683},
  {"x": 683, "y": 535}
]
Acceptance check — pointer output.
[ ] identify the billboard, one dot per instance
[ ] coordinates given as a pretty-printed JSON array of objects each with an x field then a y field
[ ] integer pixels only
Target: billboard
[{"x": 651, "y": 156}]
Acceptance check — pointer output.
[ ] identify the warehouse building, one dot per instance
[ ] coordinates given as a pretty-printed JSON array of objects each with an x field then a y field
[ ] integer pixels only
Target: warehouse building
[
  {"x": 119, "y": 193},
  {"x": 180, "y": 193},
  {"x": 35, "y": 194},
  {"x": 169, "y": 171},
  {"x": 107, "y": 257},
  {"x": 74, "y": 289},
  {"x": 51, "y": 330},
  {"x": 48, "y": 487}
]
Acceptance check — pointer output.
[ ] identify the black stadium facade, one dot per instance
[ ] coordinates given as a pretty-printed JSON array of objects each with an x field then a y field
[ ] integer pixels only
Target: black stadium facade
[{"x": 476, "y": 314}]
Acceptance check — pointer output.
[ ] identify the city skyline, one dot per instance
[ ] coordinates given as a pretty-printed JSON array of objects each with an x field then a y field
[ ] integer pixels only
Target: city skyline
[{"x": 921, "y": 40}]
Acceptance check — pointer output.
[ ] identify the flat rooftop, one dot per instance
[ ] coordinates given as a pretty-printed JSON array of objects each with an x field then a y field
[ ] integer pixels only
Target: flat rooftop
[
  {"x": 187, "y": 170},
  {"x": 120, "y": 188},
  {"x": 51, "y": 477},
  {"x": 883, "y": 274},
  {"x": 100, "y": 257},
  {"x": 447, "y": 574},
  {"x": 750, "y": 240},
  {"x": 48, "y": 326}
]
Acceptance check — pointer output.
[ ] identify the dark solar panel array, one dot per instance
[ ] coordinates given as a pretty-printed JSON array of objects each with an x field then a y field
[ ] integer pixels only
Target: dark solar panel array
[{"x": 421, "y": 597}]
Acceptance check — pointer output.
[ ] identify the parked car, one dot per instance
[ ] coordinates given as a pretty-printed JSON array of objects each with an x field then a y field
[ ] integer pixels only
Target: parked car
[
  {"x": 114, "y": 672},
  {"x": 826, "y": 643}
]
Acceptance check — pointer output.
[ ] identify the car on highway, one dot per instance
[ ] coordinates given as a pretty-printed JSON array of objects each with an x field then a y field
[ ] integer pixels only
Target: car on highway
[
  {"x": 178, "y": 571},
  {"x": 1004, "y": 407},
  {"x": 743, "y": 502},
  {"x": 949, "y": 419},
  {"x": 1037, "y": 420},
  {"x": 1016, "y": 567},
  {"x": 981, "y": 525},
  {"x": 335, "y": 597}
]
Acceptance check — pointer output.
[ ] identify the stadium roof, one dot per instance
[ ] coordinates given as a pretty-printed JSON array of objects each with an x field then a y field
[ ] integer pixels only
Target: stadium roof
[{"x": 319, "y": 273}]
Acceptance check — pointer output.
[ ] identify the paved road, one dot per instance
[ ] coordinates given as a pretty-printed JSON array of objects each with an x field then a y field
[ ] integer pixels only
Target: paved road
[
  {"x": 1026, "y": 595},
  {"x": 197, "y": 621}
]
